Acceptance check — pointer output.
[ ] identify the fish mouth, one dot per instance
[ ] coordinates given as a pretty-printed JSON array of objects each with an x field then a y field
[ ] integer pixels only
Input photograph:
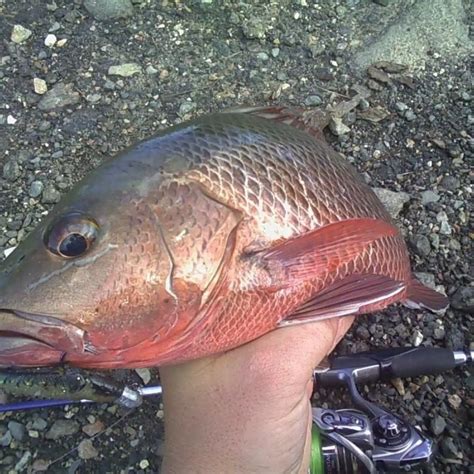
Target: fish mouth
[{"x": 33, "y": 340}]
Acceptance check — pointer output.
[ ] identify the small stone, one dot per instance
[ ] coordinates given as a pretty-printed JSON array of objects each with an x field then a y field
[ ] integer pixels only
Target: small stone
[
  {"x": 33, "y": 434},
  {"x": 450, "y": 183},
  {"x": 144, "y": 464},
  {"x": 444, "y": 227},
  {"x": 144, "y": 374},
  {"x": 11, "y": 170},
  {"x": 59, "y": 96},
  {"x": 104, "y": 10},
  {"x": 393, "y": 201},
  {"x": 463, "y": 299},
  {"x": 401, "y": 107},
  {"x": 39, "y": 424},
  {"x": 6, "y": 439},
  {"x": 40, "y": 465},
  {"x": 125, "y": 70},
  {"x": 410, "y": 115},
  {"x": 313, "y": 100},
  {"x": 417, "y": 338},
  {"x": 185, "y": 108},
  {"x": 448, "y": 448},
  {"x": 398, "y": 384},
  {"x": 275, "y": 52},
  {"x": 86, "y": 450},
  {"x": 93, "y": 98},
  {"x": 17, "y": 430},
  {"x": 36, "y": 188},
  {"x": 429, "y": 196},
  {"x": 150, "y": 70},
  {"x": 62, "y": 428},
  {"x": 50, "y": 40},
  {"x": 50, "y": 195},
  {"x": 40, "y": 86},
  {"x": 262, "y": 56},
  {"x": 422, "y": 245},
  {"x": 23, "y": 462},
  {"x": 93, "y": 428},
  {"x": 362, "y": 332},
  {"x": 454, "y": 400},
  {"x": 20, "y": 34},
  {"x": 338, "y": 127},
  {"x": 11, "y": 120},
  {"x": 61, "y": 42}
]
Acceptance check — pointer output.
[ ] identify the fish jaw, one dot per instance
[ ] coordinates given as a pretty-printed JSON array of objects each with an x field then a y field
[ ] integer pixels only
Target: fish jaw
[{"x": 37, "y": 340}]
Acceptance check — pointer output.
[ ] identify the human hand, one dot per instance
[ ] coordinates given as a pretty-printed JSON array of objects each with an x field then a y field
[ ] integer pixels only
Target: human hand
[{"x": 247, "y": 410}]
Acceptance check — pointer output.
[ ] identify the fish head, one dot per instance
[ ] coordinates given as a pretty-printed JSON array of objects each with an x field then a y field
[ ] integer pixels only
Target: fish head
[{"x": 91, "y": 285}]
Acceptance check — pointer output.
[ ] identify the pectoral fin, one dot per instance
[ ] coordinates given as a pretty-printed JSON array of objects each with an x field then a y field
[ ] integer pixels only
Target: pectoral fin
[
  {"x": 326, "y": 248},
  {"x": 346, "y": 297}
]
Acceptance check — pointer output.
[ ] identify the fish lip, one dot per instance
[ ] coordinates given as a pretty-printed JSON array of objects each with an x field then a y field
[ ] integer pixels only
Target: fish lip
[{"x": 49, "y": 330}]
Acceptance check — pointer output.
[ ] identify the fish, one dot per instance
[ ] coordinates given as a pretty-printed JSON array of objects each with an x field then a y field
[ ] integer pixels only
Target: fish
[{"x": 198, "y": 240}]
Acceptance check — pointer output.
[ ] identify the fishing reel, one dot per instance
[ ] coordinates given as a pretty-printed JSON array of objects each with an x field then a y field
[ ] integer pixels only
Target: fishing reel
[{"x": 370, "y": 440}]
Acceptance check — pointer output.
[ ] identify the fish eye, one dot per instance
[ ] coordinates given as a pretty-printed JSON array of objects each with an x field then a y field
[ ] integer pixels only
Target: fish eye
[{"x": 71, "y": 236}]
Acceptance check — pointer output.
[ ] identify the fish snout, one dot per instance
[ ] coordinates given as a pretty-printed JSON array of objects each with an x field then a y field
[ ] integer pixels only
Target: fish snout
[{"x": 36, "y": 340}]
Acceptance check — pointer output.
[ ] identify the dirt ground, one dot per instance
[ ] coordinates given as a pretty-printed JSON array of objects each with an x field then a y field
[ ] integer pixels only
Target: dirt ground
[{"x": 65, "y": 107}]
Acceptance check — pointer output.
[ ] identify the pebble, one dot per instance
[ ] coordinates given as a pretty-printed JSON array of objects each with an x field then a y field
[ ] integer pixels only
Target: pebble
[
  {"x": 144, "y": 374},
  {"x": 23, "y": 462},
  {"x": 150, "y": 70},
  {"x": 125, "y": 70},
  {"x": 11, "y": 170},
  {"x": 86, "y": 450},
  {"x": 104, "y": 10},
  {"x": 444, "y": 227},
  {"x": 144, "y": 464},
  {"x": 313, "y": 100},
  {"x": 448, "y": 448},
  {"x": 17, "y": 430},
  {"x": 454, "y": 400},
  {"x": 450, "y": 183},
  {"x": 463, "y": 299},
  {"x": 6, "y": 439},
  {"x": 62, "y": 428},
  {"x": 428, "y": 197},
  {"x": 410, "y": 115},
  {"x": 40, "y": 86},
  {"x": 262, "y": 56},
  {"x": 417, "y": 338},
  {"x": 185, "y": 108},
  {"x": 338, "y": 127},
  {"x": 393, "y": 201},
  {"x": 421, "y": 245},
  {"x": 36, "y": 188},
  {"x": 59, "y": 96},
  {"x": 50, "y": 195},
  {"x": 92, "y": 429},
  {"x": 20, "y": 34},
  {"x": 50, "y": 40},
  {"x": 401, "y": 107}
]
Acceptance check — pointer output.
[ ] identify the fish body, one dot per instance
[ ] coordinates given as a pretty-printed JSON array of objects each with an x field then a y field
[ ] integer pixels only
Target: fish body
[{"x": 200, "y": 239}]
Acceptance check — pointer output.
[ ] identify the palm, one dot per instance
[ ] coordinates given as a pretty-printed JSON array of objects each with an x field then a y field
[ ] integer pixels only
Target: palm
[{"x": 247, "y": 410}]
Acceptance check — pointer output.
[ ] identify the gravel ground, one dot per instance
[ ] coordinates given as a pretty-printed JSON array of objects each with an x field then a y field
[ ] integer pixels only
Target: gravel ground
[{"x": 80, "y": 81}]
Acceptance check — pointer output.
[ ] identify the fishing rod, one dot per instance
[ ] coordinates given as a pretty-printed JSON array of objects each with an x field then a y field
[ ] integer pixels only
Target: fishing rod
[{"x": 364, "y": 439}]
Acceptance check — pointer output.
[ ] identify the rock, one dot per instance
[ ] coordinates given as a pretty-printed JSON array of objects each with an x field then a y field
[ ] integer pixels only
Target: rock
[
  {"x": 11, "y": 170},
  {"x": 313, "y": 100},
  {"x": 444, "y": 227},
  {"x": 417, "y": 338},
  {"x": 362, "y": 332},
  {"x": 125, "y": 70},
  {"x": 23, "y": 462},
  {"x": 40, "y": 86},
  {"x": 50, "y": 40},
  {"x": 93, "y": 428},
  {"x": 20, "y": 34},
  {"x": 437, "y": 425},
  {"x": 399, "y": 386},
  {"x": 410, "y": 115},
  {"x": 86, "y": 450},
  {"x": 36, "y": 188},
  {"x": 62, "y": 428},
  {"x": 419, "y": 31},
  {"x": 59, "y": 96},
  {"x": 262, "y": 56},
  {"x": 421, "y": 245},
  {"x": 104, "y": 10},
  {"x": 39, "y": 424},
  {"x": 429, "y": 196},
  {"x": 150, "y": 70},
  {"x": 463, "y": 299},
  {"x": 450, "y": 183},
  {"x": 337, "y": 126},
  {"x": 185, "y": 108},
  {"x": 393, "y": 201},
  {"x": 40, "y": 465},
  {"x": 50, "y": 195},
  {"x": 144, "y": 374},
  {"x": 6, "y": 439},
  {"x": 448, "y": 448},
  {"x": 17, "y": 430},
  {"x": 144, "y": 464},
  {"x": 454, "y": 400}
]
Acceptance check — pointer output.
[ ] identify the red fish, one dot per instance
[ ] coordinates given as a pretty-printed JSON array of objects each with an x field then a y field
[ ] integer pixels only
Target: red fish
[{"x": 200, "y": 239}]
